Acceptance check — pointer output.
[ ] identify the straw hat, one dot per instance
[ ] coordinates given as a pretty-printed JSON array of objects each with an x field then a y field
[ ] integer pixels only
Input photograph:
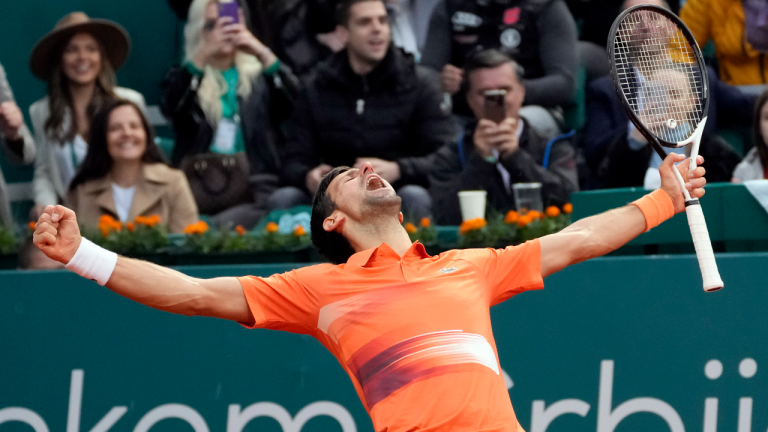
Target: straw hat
[{"x": 111, "y": 35}]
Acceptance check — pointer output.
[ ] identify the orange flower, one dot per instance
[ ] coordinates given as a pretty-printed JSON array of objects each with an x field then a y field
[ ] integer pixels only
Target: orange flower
[
  {"x": 525, "y": 220},
  {"x": 553, "y": 211},
  {"x": 149, "y": 221},
  {"x": 32, "y": 225},
  {"x": 106, "y": 220},
  {"x": 472, "y": 225},
  {"x": 240, "y": 230},
  {"x": 104, "y": 231},
  {"x": 568, "y": 208},
  {"x": 410, "y": 228},
  {"x": 272, "y": 227},
  {"x": 131, "y": 226},
  {"x": 426, "y": 223},
  {"x": 196, "y": 228},
  {"x": 511, "y": 217},
  {"x": 299, "y": 231},
  {"x": 533, "y": 214}
]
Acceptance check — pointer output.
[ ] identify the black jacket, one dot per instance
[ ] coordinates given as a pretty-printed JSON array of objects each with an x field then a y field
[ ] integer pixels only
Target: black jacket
[
  {"x": 393, "y": 113},
  {"x": 459, "y": 167},
  {"x": 624, "y": 167},
  {"x": 269, "y": 104}
]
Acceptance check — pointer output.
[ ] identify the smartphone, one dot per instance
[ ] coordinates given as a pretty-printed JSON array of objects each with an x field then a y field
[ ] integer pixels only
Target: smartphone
[
  {"x": 495, "y": 105},
  {"x": 229, "y": 8}
]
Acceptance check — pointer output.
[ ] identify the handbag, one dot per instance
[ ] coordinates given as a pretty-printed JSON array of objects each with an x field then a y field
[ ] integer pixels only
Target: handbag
[{"x": 218, "y": 181}]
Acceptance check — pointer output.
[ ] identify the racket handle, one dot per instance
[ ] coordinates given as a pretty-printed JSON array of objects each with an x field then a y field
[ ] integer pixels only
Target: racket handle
[{"x": 703, "y": 245}]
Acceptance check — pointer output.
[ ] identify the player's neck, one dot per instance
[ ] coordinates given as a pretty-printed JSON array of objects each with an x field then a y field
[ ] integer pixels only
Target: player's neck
[{"x": 372, "y": 235}]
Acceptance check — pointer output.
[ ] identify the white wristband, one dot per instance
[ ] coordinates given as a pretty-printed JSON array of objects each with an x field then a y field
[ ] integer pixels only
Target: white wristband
[{"x": 93, "y": 262}]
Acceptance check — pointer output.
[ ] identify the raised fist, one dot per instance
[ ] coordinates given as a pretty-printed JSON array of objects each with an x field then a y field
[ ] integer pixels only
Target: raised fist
[{"x": 57, "y": 233}]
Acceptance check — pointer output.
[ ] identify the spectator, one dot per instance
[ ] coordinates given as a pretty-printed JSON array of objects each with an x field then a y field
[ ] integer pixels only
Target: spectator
[
  {"x": 124, "y": 176},
  {"x": 493, "y": 157},
  {"x": 15, "y": 139},
  {"x": 368, "y": 103},
  {"x": 74, "y": 61},
  {"x": 630, "y": 161},
  {"x": 606, "y": 120},
  {"x": 755, "y": 163},
  {"x": 539, "y": 35},
  {"x": 228, "y": 99},
  {"x": 740, "y": 45}
]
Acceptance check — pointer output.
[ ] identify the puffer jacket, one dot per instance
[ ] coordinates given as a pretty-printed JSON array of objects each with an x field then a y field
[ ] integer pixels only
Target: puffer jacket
[
  {"x": 395, "y": 113},
  {"x": 723, "y": 22}
]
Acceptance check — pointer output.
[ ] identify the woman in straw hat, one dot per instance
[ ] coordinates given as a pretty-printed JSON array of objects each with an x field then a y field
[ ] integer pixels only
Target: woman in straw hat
[
  {"x": 229, "y": 98},
  {"x": 77, "y": 60}
]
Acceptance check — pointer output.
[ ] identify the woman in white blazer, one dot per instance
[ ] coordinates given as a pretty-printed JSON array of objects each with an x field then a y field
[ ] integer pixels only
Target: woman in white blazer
[{"x": 80, "y": 72}]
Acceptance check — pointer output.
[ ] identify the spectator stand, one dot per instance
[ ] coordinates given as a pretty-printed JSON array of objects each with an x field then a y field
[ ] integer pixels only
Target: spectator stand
[{"x": 156, "y": 43}]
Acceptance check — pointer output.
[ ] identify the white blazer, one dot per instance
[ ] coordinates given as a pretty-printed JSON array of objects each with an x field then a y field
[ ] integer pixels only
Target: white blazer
[
  {"x": 48, "y": 189},
  {"x": 750, "y": 168}
]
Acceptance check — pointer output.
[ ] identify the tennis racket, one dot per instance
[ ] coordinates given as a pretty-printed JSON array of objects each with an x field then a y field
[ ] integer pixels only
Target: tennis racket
[{"x": 661, "y": 79}]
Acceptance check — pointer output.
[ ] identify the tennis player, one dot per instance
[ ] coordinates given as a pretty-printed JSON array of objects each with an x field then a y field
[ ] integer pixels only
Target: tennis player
[{"x": 413, "y": 331}]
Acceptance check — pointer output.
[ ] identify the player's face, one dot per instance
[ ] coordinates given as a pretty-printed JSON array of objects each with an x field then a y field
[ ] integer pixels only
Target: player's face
[
  {"x": 360, "y": 193},
  {"x": 368, "y": 31},
  {"x": 499, "y": 78},
  {"x": 126, "y": 137}
]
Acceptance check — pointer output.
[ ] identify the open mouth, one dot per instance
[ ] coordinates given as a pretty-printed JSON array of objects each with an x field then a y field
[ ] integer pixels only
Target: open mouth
[{"x": 374, "y": 182}]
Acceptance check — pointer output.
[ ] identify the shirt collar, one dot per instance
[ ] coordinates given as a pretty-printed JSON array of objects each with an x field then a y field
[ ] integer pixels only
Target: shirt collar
[{"x": 384, "y": 255}]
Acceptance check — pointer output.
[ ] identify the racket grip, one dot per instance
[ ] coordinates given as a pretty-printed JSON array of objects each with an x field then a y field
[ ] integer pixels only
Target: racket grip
[{"x": 703, "y": 245}]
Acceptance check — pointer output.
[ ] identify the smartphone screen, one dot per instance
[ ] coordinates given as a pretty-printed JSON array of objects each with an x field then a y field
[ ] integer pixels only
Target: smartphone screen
[
  {"x": 495, "y": 105},
  {"x": 229, "y": 9}
]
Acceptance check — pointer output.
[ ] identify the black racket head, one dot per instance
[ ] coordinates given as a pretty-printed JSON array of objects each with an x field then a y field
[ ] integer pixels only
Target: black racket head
[{"x": 659, "y": 74}]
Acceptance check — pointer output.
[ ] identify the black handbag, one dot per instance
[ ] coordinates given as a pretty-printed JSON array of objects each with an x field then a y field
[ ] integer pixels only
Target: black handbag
[{"x": 218, "y": 181}]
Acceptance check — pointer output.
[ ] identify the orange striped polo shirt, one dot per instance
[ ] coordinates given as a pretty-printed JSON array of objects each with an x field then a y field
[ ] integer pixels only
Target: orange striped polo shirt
[{"x": 413, "y": 332}]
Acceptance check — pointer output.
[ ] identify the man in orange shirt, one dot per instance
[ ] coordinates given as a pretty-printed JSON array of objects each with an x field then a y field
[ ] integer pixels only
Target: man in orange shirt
[{"x": 413, "y": 331}]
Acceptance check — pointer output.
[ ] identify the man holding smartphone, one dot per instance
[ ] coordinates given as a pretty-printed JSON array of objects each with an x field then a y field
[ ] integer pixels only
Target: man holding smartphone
[{"x": 499, "y": 149}]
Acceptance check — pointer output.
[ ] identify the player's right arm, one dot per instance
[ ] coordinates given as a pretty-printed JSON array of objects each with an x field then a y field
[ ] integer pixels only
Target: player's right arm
[{"x": 58, "y": 236}]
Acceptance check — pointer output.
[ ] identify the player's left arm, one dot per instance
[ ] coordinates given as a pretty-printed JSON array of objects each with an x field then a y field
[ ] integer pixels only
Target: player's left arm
[{"x": 600, "y": 234}]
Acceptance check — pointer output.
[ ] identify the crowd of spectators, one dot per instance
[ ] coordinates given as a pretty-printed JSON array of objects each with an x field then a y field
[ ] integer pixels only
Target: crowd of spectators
[{"x": 268, "y": 100}]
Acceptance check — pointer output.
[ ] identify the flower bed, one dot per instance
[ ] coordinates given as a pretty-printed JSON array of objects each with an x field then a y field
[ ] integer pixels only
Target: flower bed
[{"x": 148, "y": 239}]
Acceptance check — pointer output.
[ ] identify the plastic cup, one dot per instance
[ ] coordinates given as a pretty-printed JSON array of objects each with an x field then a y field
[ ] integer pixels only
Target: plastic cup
[
  {"x": 472, "y": 204},
  {"x": 527, "y": 196}
]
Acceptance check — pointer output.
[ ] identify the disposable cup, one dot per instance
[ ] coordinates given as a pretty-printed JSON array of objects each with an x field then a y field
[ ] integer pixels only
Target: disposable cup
[{"x": 472, "y": 204}]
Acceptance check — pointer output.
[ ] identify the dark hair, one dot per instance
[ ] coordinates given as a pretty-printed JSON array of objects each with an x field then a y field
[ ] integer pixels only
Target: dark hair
[
  {"x": 343, "y": 8},
  {"x": 331, "y": 244},
  {"x": 98, "y": 163},
  {"x": 488, "y": 59},
  {"x": 757, "y": 136},
  {"x": 59, "y": 97}
]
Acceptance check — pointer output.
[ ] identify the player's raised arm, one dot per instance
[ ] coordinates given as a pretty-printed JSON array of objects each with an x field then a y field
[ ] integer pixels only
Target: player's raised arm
[
  {"x": 600, "y": 234},
  {"x": 58, "y": 236}
]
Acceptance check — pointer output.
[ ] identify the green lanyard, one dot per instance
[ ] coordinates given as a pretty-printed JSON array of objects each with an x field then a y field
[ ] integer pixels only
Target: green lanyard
[{"x": 73, "y": 156}]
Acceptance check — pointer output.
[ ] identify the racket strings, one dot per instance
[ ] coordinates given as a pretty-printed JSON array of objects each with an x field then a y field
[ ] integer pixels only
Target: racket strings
[{"x": 658, "y": 75}]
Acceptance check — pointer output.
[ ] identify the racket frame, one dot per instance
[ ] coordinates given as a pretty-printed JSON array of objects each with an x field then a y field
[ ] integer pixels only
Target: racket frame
[
  {"x": 655, "y": 141},
  {"x": 710, "y": 275}
]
